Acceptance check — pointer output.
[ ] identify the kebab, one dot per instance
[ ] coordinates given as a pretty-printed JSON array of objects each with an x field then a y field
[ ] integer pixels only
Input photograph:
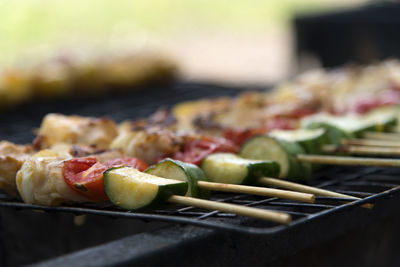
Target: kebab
[
  {"x": 33, "y": 180},
  {"x": 152, "y": 143},
  {"x": 71, "y": 73},
  {"x": 49, "y": 178}
]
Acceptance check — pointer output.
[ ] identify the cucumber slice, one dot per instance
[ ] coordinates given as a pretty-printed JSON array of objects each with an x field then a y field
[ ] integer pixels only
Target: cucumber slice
[
  {"x": 131, "y": 189},
  {"x": 333, "y": 134},
  {"x": 231, "y": 169},
  {"x": 383, "y": 117},
  {"x": 311, "y": 140},
  {"x": 178, "y": 170},
  {"x": 350, "y": 125},
  {"x": 283, "y": 152}
]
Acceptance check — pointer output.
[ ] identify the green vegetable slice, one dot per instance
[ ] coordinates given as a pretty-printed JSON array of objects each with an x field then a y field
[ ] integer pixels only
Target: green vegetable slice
[
  {"x": 232, "y": 169},
  {"x": 311, "y": 140},
  {"x": 131, "y": 189},
  {"x": 283, "y": 152},
  {"x": 178, "y": 170}
]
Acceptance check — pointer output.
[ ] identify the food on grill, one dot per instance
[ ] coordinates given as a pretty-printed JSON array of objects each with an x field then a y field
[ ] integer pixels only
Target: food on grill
[
  {"x": 51, "y": 177},
  {"x": 85, "y": 175},
  {"x": 206, "y": 134},
  {"x": 77, "y": 130},
  {"x": 351, "y": 125},
  {"x": 311, "y": 140},
  {"x": 178, "y": 170},
  {"x": 171, "y": 169},
  {"x": 11, "y": 159},
  {"x": 283, "y": 152},
  {"x": 40, "y": 180},
  {"x": 351, "y": 90},
  {"x": 231, "y": 169},
  {"x": 155, "y": 143},
  {"x": 73, "y": 73},
  {"x": 148, "y": 144},
  {"x": 131, "y": 189}
]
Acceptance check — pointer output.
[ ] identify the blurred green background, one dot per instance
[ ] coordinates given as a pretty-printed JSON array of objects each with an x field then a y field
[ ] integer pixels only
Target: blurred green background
[{"x": 227, "y": 35}]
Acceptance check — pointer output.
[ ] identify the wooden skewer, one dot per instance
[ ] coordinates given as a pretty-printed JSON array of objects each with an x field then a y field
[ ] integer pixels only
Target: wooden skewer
[
  {"x": 371, "y": 142},
  {"x": 267, "y": 215},
  {"x": 382, "y": 136},
  {"x": 362, "y": 150},
  {"x": 336, "y": 160},
  {"x": 261, "y": 191},
  {"x": 395, "y": 129},
  {"x": 268, "y": 181}
]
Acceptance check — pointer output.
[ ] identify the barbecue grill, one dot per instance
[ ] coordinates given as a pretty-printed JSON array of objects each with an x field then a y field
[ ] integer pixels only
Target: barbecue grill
[{"x": 329, "y": 231}]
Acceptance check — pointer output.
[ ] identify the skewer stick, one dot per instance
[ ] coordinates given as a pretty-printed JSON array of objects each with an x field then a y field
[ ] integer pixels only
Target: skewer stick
[
  {"x": 268, "y": 181},
  {"x": 370, "y": 142},
  {"x": 395, "y": 129},
  {"x": 267, "y": 215},
  {"x": 362, "y": 150},
  {"x": 336, "y": 160},
  {"x": 382, "y": 136},
  {"x": 261, "y": 191}
]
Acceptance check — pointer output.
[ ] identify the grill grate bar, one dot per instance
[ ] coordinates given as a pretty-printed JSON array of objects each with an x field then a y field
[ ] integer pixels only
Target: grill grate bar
[{"x": 354, "y": 193}]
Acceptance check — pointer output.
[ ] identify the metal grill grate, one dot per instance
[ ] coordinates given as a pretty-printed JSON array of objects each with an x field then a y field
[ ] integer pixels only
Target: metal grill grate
[{"x": 371, "y": 183}]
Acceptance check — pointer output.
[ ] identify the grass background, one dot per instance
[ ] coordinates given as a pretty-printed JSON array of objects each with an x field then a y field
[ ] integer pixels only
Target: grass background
[{"x": 43, "y": 24}]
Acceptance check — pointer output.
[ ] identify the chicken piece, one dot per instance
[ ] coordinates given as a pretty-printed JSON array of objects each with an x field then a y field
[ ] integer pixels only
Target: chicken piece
[
  {"x": 11, "y": 159},
  {"x": 187, "y": 112},
  {"x": 149, "y": 144},
  {"x": 41, "y": 181},
  {"x": 57, "y": 128},
  {"x": 162, "y": 118},
  {"x": 77, "y": 151}
]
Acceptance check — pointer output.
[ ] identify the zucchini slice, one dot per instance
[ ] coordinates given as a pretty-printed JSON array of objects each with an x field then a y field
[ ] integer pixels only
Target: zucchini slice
[
  {"x": 264, "y": 147},
  {"x": 311, "y": 140},
  {"x": 231, "y": 169},
  {"x": 383, "y": 117},
  {"x": 350, "y": 125},
  {"x": 178, "y": 170},
  {"x": 333, "y": 134},
  {"x": 131, "y": 189}
]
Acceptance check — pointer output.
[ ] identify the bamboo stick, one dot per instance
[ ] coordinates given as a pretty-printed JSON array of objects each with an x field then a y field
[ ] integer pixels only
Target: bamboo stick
[
  {"x": 261, "y": 191},
  {"x": 371, "y": 142},
  {"x": 382, "y": 136},
  {"x": 268, "y": 181},
  {"x": 336, "y": 160},
  {"x": 267, "y": 215},
  {"x": 395, "y": 129},
  {"x": 362, "y": 150}
]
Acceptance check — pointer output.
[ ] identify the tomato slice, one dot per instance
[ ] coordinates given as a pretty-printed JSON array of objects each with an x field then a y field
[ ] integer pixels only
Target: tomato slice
[
  {"x": 386, "y": 98},
  {"x": 127, "y": 161},
  {"x": 85, "y": 175},
  {"x": 238, "y": 137},
  {"x": 195, "y": 150}
]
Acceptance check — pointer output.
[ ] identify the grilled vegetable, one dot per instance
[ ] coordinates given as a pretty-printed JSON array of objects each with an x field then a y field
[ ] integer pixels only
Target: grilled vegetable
[
  {"x": 311, "y": 140},
  {"x": 178, "y": 170},
  {"x": 283, "y": 152},
  {"x": 383, "y": 117},
  {"x": 85, "y": 175},
  {"x": 232, "y": 169},
  {"x": 333, "y": 134},
  {"x": 131, "y": 189},
  {"x": 350, "y": 125}
]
